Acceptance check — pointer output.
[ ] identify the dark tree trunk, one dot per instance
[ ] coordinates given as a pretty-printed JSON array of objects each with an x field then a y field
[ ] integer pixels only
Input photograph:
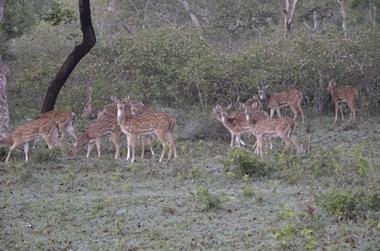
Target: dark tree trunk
[{"x": 75, "y": 56}]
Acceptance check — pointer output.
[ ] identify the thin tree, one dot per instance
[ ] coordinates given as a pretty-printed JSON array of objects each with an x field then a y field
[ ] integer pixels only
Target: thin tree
[
  {"x": 343, "y": 12},
  {"x": 289, "y": 15},
  {"x": 4, "y": 70},
  {"x": 73, "y": 59}
]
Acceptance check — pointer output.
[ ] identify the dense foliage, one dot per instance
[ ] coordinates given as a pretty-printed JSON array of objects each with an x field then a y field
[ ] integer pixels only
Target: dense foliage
[{"x": 183, "y": 66}]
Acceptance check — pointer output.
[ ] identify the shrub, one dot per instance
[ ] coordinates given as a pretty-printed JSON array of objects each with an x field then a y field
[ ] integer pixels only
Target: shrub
[
  {"x": 350, "y": 205},
  {"x": 207, "y": 200},
  {"x": 243, "y": 162}
]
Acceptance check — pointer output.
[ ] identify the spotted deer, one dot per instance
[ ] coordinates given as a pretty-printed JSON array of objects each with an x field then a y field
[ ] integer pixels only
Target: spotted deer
[
  {"x": 103, "y": 126},
  {"x": 254, "y": 114},
  {"x": 275, "y": 101},
  {"x": 274, "y": 127},
  {"x": 42, "y": 127},
  {"x": 236, "y": 124},
  {"x": 64, "y": 120},
  {"x": 345, "y": 93},
  {"x": 146, "y": 124},
  {"x": 110, "y": 111}
]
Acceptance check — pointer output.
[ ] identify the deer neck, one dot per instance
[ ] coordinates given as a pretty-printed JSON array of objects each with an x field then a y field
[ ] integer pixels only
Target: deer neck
[
  {"x": 226, "y": 123},
  {"x": 333, "y": 93},
  {"x": 121, "y": 117}
]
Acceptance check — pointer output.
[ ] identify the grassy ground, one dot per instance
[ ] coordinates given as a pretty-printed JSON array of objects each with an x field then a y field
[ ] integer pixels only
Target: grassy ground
[{"x": 328, "y": 199}]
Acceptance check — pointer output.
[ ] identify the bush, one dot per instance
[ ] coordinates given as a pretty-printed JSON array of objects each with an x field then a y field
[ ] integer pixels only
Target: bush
[
  {"x": 207, "y": 200},
  {"x": 243, "y": 162},
  {"x": 350, "y": 205}
]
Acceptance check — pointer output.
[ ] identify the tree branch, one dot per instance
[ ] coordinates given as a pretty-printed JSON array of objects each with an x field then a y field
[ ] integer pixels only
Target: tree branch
[{"x": 73, "y": 59}]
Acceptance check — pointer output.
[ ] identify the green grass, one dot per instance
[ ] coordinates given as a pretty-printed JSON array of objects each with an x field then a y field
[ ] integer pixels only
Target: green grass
[{"x": 106, "y": 204}]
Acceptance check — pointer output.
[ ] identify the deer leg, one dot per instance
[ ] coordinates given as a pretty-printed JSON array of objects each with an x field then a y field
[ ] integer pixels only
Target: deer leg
[
  {"x": 295, "y": 112},
  {"x": 278, "y": 110},
  {"x": 89, "y": 148},
  {"x": 161, "y": 136},
  {"x": 299, "y": 108},
  {"x": 232, "y": 140},
  {"x": 259, "y": 145},
  {"x": 26, "y": 151},
  {"x": 336, "y": 112},
  {"x": 143, "y": 142},
  {"x": 149, "y": 142},
  {"x": 352, "y": 110},
  {"x": 128, "y": 148},
  {"x": 172, "y": 148},
  {"x": 172, "y": 143},
  {"x": 35, "y": 144},
  {"x": 132, "y": 144},
  {"x": 341, "y": 110},
  {"x": 115, "y": 141},
  {"x": 242, "y": 142},
  {"x": 288, "y": 140},
  {"x": 61, "y": 129},
  {"x": 97, "y": 143},
  {"x": 271, "y": 112},
  {"x": 237, "y": 140},
  {"x": 11, "y": 149},
  {"x": 49, "y": 141}
]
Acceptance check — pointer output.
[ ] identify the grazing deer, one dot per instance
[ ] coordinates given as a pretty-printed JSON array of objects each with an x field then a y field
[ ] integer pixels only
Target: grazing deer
[
  {"x": 43, "y": 127},
  {"x": 236, "y": 124},
  {"x": 145, "y": 124},
  {"x": 291, "y": 98},
  {"x": 92, "y": 135},
  {"x": 274, "y": 127},
  {"x": 345, "y": 93},
  {"x": 64, "y": 120}
]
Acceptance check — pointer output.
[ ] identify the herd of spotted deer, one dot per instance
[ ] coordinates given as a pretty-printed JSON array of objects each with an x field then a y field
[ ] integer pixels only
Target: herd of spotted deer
[{"x": 132, "y": 118}]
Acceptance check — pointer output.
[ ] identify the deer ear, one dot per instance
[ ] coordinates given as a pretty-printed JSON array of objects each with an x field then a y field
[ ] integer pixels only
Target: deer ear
[
  {"x": 127, "y": 98},
  {"x": 113, "y": 99},
  {"x": 266, "y": 86},
  {"x": 229, "y": 106}
]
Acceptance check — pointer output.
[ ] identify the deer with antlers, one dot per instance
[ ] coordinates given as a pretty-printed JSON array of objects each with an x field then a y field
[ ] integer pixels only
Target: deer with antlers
[
  {"x": 42, "y": 127},
  {"x": 345, "y": 93},
  {"x": 275, "y": 101},
  {"x": 147, "y": 123}
]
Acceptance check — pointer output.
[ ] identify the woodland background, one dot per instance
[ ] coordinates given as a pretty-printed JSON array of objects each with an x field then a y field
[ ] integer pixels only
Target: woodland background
[{"x": 189, "y": 55}]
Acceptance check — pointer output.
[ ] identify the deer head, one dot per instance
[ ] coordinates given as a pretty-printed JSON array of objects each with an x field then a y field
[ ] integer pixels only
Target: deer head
[
  {"x": 137, "y": 108},
  {"x": 262, "y": 92},
  {"x": 331, "y": 85}
]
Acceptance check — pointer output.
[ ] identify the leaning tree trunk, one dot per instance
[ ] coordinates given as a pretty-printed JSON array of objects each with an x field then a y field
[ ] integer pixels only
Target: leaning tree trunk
[
  {"x": 4, "y": 111},
  {"x": 75, "y": 56}
]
